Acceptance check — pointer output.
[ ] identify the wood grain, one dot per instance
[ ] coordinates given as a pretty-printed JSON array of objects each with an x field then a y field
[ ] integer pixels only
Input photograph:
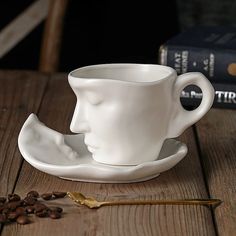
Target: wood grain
[
  {"x": 217, "y": 135},
  {"x": 20, "y": 94},
  {"x": 183, "y": 181}
]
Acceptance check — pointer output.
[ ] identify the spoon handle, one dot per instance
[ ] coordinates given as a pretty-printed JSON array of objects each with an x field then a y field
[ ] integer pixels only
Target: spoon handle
[{"x": 205, "y": 202}]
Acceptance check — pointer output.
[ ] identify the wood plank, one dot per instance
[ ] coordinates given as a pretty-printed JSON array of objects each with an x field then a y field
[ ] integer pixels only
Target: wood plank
[
  {"x": 20, "y": 94},
  {"x": 217, "y": 135},
  {"x": 22, "y": 25},
  {"x": 183, "y": 181}
]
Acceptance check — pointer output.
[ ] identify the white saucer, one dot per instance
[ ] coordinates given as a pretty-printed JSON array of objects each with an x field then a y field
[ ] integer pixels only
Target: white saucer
[{"x": 67, "y": 157}]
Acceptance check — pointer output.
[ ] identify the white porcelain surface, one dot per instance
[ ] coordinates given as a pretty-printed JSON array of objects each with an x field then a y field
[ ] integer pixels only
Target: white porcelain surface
[
  {"x": 127, "y": 111},
  {"x": 66, "y": 156}
]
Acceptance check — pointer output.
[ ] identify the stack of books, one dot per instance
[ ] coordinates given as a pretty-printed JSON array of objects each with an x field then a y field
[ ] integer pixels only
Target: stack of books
[{"x": 211, "y": 51}]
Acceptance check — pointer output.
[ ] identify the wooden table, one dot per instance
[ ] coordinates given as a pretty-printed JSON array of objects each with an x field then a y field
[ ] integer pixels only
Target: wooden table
[{"x": 208, "y": 171}]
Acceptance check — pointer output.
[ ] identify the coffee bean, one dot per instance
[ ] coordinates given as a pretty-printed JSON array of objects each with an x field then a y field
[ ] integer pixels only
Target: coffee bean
[
  {"x": 1, "y": 208},
  {"x": 54, "y": 215},
  {"x": 29, "y": 201},
  {"x": 29, "y": 209},
  {"x": 22, "y": 220},
  {"x": 43, "y": 213},
  {"x": 12, "y": 215},
  {"x": 33, "y": 194},
  {"x": 5, "y": 211},
  {"x": 13, "y": 205},
  {"x": 20, "y": 210},
  {"x": 3, "y": 218},
  {"x": 46, "y": 196},
  {"x": 2, "y": 199},
  {"x": 13, "y": 197},
  {"x": 40, "y": 207},
  {"x": 57, "y": 209},
  {"x": 59, "y": 194}
]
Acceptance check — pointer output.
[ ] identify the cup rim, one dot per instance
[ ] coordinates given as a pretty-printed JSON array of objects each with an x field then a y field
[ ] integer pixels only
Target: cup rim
[{"x": 83, "y": 69}]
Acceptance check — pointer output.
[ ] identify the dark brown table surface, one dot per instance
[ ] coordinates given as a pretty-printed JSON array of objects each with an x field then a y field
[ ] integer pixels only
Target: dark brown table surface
[{"x": 208, "y": 171}]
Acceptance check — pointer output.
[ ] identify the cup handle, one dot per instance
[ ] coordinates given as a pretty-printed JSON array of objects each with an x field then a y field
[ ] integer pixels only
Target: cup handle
[{"x": 181, "y": 119}]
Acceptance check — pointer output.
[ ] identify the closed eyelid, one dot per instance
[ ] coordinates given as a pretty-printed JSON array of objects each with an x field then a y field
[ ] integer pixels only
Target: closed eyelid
[{"x": 93, "y": 98}]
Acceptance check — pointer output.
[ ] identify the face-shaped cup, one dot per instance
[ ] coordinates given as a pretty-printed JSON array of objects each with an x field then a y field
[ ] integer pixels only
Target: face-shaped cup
[{"x": 126, "y": 111}]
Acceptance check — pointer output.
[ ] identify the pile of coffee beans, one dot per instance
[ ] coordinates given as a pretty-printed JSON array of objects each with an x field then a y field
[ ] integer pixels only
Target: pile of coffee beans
[{"x": 13, "y": 208}]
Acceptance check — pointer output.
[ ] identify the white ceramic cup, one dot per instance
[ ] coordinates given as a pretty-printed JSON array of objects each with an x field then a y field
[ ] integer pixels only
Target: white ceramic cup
[{"x": 126, "y": 111}]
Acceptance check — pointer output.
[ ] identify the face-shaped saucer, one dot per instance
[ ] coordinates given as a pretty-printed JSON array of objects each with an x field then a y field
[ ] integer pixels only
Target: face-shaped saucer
[{"x": 67, "y": 157}]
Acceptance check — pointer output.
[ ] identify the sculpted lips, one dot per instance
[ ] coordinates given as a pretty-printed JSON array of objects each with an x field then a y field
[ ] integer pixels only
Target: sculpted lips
[{"x": 92, "y": 148}]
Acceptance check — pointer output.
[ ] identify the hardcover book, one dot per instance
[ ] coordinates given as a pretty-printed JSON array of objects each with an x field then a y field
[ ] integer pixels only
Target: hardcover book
[{"x": 210, "y": 50}]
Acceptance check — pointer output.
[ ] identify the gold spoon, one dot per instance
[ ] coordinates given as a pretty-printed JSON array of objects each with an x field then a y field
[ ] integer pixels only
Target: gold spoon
[{"x": 79, "y": 198}]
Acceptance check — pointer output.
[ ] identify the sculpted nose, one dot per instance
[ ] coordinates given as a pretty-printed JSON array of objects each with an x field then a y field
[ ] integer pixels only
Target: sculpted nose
[
  {"x": 79, "y": 127},
  {"x": 79, "y": 123}
]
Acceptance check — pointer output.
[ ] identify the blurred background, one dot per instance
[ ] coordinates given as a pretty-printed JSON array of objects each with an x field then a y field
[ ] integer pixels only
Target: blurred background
[{"x": 93, "y": 32}]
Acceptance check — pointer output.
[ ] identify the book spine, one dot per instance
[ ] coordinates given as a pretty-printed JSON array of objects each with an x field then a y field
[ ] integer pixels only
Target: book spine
[
  {"x": 225, "y": 96},
  {"x": 217, "y": 65}
]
